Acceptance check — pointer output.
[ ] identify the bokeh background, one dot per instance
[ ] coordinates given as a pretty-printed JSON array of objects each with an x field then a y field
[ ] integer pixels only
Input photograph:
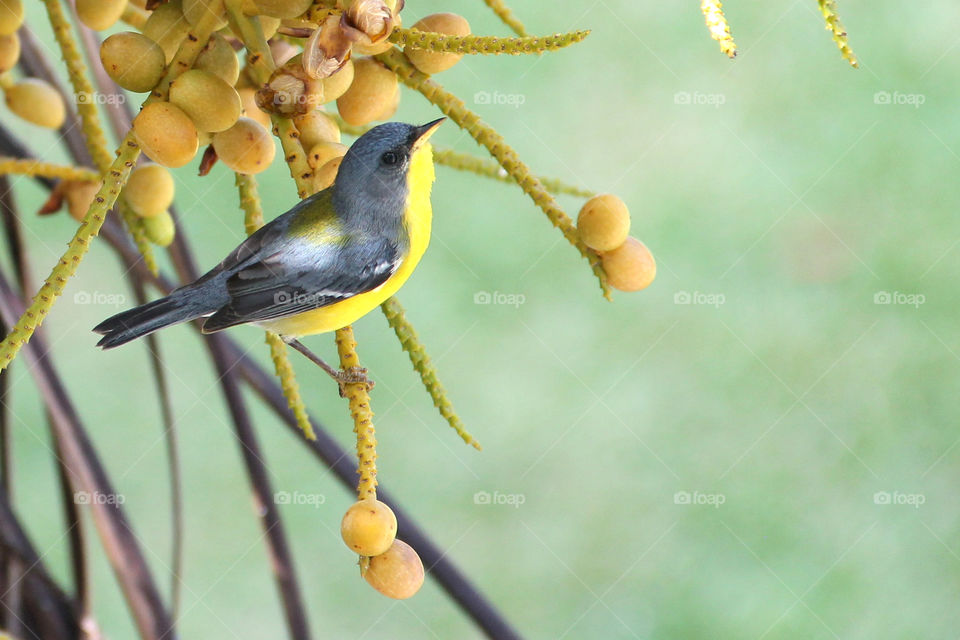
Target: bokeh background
[{"x": 763, "y": 444}]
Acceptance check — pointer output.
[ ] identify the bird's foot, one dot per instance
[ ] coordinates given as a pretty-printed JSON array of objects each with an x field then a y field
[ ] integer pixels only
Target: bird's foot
[{"x": 352, "y": 375}]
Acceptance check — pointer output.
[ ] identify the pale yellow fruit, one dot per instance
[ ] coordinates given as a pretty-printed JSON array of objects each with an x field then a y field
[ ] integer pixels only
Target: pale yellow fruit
[
  {"x": 330, "y": 88},
  {"x": 36, "y": 101},
  {"x": 368, "y": 527},
  {"x": 390, "y": 108},
  {"x": 211, "y": 103},
  {"x": 250, "y": 109},
  {"x": 79, "y": 197},
  {"x": 326, "y": 174},
  {"x": 195, "y": 10},
  {"x": 159, "y": 229},
  {"x": 604, "y": 222},
  {"x": 246, "y": 147},
  {"x": 149, "y": 191},
  {"x": 134, "y": 61},
  {"x": 396, "y": 573},
  {"x": 11, "y": 16},
  {"x": 270, "y": 25},
  {"x": 167, "y": 27},
  {"x": 219, "y": 58},
  {"x": 372, "y": 91},
  {"x": 9, "y": 51},
  {"x": 431, "y": 61},
  {"x": 100, "y": 14},
  {"x": 323, "y": 152},
  {"x": 166, "y": 134},
  {"x": 629, "y": 267},
  {"x": 316, "y": 127},
  {"x": 282, "y": 8}
]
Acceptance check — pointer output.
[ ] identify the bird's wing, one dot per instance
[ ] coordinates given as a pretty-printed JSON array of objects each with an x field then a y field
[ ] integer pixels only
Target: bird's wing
[{"x": 291, "y": 276}]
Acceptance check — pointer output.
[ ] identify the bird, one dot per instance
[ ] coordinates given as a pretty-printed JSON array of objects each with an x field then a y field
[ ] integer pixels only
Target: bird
[{"x": 329, "y": 260}]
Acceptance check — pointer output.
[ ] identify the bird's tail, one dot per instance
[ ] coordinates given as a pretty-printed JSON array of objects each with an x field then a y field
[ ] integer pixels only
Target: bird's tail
[{"x": 145, "y": 319}]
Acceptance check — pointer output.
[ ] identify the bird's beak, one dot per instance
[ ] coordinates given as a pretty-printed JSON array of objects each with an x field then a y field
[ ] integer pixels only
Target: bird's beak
[{"x": 423, "y": 132}]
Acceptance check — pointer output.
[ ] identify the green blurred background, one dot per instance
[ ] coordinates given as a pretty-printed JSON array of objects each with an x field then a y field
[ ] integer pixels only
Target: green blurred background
[{"x": 786, "y": 401}]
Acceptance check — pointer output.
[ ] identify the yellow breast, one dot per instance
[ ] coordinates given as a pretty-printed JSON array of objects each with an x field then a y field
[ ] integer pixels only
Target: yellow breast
[{"x": 418, "y": 217}]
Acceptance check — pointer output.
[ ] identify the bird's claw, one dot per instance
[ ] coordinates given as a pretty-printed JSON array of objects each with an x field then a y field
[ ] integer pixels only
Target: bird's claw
[{"x": 353, "y": 375}]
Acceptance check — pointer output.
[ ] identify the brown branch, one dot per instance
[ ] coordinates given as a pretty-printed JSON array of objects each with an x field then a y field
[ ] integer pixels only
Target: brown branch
[{"x": 87, "y": 474}]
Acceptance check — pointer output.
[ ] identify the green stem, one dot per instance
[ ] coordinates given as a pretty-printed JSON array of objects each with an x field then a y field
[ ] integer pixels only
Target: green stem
[{"x": 487, "y": 45}]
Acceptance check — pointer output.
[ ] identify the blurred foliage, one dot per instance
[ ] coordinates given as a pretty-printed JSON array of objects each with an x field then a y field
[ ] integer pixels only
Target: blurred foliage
[{"x": 797, "y": 193}]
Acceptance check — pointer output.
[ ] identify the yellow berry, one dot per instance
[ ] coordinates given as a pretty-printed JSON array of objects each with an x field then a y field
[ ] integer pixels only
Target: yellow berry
[
  {"x": 315, "y": 127},
  {"x": 36, "y": 101},
  {"x": 250, "y": 109},
  {"x": 211, "y": 103},
  {"x": 332, "y": 87},
  {"x": 372, "y": 91},
  {"x": 9, "y": 51},
  {"x": 219, "y": 58},
  {"x": 133, "y": 60},
  {"x": 629, "y": 267},
  {"x": 270, "y": 26},
  {"x": 11, "y": 16},
  {"x": 397, "y": 573},
  {"x": 282, "y": 8},
  {"x": 166, "y": 134},
  {"x": 167, "y": 26},
  {"x": 326, "y": 174},
  {"x": 79, "y": 197},
  {"x": 100, "y": 14},
  {"x": 368, "y": 527},
  {"x": 149, "y": 191},
  {"x": 604, "y": 222},
  {"x": 159, "y": 229},
  {"x": 194, "y": 10},
  {"x": 431, "y": 61},
  {"x": 246, "y": 147},
  {"x": 323, "y": 152},
  {"x": 389, "y": 108}
]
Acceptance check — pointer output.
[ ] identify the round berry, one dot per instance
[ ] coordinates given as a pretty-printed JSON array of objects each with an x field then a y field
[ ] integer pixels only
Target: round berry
[
  {"x": 134, "y": 61},
  {"x": 11, "y": 16},
  {"x": 246, "y": 147},
  {"x": 369, "y": 527},
  {"x": 166, "y": 134},
  {"x": 211, "y": 103},
  {"x": 100, "y": 14},
  {"x": 604, "y": 222},
  {"x": 149, "y": 191},
  {"x": 629, "y": 267},
  {"x": 9, "y": 51},
  {"x": 397, "y": 573},
  {"x": 372, "y": 91},
  {"x": 37, "y": 101},
  {"x": 432, "y": 61}
]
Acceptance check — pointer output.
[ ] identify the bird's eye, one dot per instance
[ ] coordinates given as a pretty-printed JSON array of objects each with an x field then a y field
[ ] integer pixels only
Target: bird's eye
[{"x": 390, "y": 158}]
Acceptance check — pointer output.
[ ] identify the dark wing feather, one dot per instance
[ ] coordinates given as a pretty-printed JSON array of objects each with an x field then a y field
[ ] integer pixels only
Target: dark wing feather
[{"x": 300, "y": 278}]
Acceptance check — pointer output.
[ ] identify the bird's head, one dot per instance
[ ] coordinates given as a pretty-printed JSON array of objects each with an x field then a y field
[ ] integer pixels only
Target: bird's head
[{"x": 383, "y": 167}]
